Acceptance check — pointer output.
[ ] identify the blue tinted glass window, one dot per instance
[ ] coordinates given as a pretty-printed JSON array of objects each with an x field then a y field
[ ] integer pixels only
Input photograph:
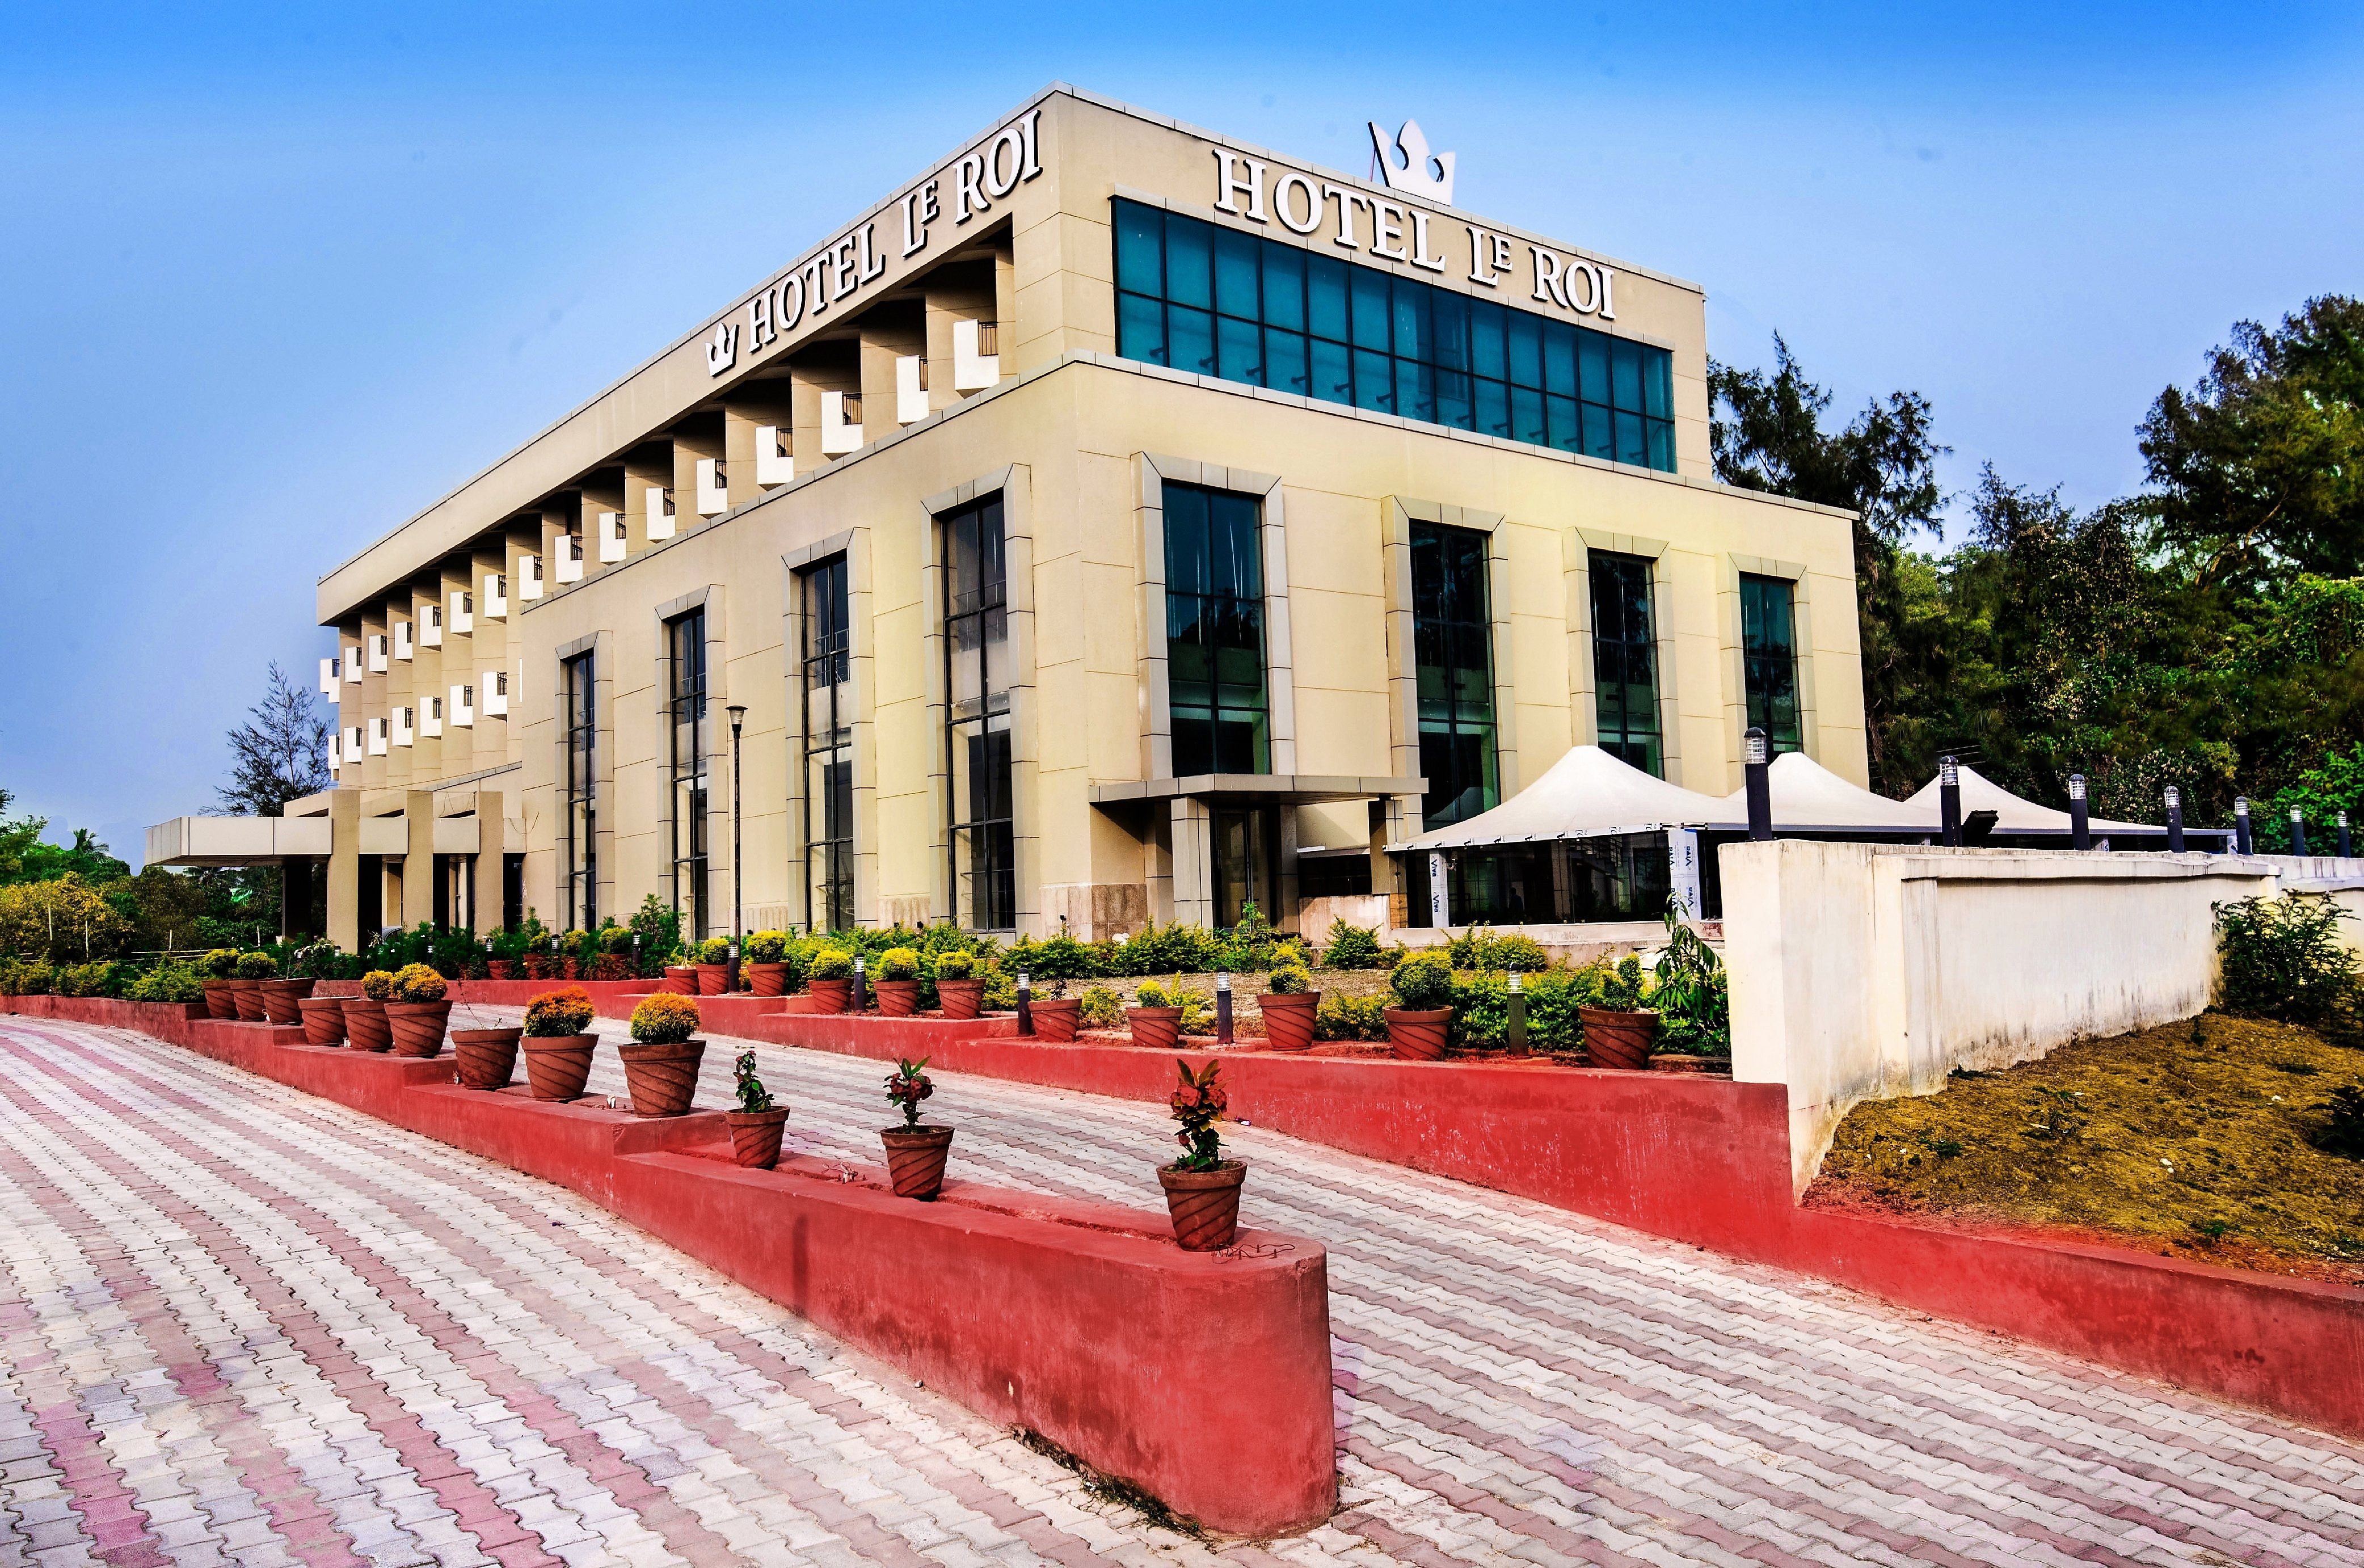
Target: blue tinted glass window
[
  {"x": 1593, "y": 367},
  {"x": 1190, "y": 340},
  {"x": 1284, "y": 287},
  {"x": 1486, "y": 319},
  {"x": 1334, "y": 377},
  {"x": 1526, "y": 345},
  {"x": 1235, "y": 272},
  {"x": 1239, "y": 350},
  {"x": 1412, "y": 317},
  {"x": 1369, "y": 290},
  {"x": 1188, "y": 260},
  {"x": 1284, "y": 362},
  {"x": 1559, "y": 358},
  {"x": 1325, "y": 297},
  {"x": 1140, "y": 328},
  {"x": 1625, "y": 369},
  {"x": 1140, "y": 249}
]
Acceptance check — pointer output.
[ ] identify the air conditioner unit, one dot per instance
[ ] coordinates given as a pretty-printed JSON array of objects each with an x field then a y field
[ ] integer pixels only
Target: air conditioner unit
[
  {"x": 660, "y": 500},
  {"x": 773, "y": 463},
  {"x": 841, "y": 423},
  {"x": 977, "y": 363},
  {"x": 611, "y": 537},
  {"x": 713, "y": 488},
  {"x": 496, "y": 596}
]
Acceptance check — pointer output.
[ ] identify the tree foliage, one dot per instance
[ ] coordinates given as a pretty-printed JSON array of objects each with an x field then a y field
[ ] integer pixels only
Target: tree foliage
[{"x": 280, "y": 754}]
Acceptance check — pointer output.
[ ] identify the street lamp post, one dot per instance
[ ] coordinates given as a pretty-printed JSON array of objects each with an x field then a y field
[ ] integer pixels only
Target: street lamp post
[{"x": 738, "y": 712}]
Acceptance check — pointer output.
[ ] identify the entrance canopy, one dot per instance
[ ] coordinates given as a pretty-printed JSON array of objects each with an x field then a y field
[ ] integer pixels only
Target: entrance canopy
[
  {"x": 1810, "y": 798},
  {"x": 1586, "y": 794},
  {"x": 2015, "y": 815}
]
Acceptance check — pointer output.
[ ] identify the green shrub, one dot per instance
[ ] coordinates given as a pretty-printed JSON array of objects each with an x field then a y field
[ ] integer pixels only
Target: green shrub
[
  {"x": 767, "y": 947},
  {"x": 899, "y": 963},
  {"x": 2343, "y": 1130},
  {"x": 1000, "y": 990},
  {"x": 1151, "y": 993},
  {"x": 416, "y": 982},
  {"x": 1423, "y": 983},
  {"x": 221, "y": 963},
  {"x": 714, "y": 949},
  {"x": 614, "y": 941},
  {"x": 1622, "y": 987},
  {"x": 81, "y": 979},
  {"x": 1061, "y": 958},
  {"x": 378, "y": 984},
  {"x": 169, "y": 981},
  {"x": 1694, "y": 994},
  {"x": 1251, "y": 947},
  {"x": 1351, "y": 1017},
  {"x": 257, "y": 966},
  {"x": 1289, "y": 980},
  {"x": 1174, "y": 949},
  {"x": 1353, "y": 947},
  {"x": 1101, "y": 1008},
  {"x": 955, "y": 963},
  {"x": 1482, "y": 947},
  {"x": 2282, "y": 957},
  {"x": 752, "y": 1096},
  {"x": 830, "y": 963},
  {"x": 664, "y": 1018}
]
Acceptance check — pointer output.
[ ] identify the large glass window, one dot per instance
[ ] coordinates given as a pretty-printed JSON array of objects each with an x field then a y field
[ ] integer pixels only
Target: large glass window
[
  {"x": 1214, "y": 632},
  {"x": 685, "y": 710},
  {"x": 977, "y": 683},
  {"x": 1452, "y": 638},
  {"x": 579, "y": 710},
  {"x": 829, "y": 748},
  {"x": 1768, "y": 658},
  {"x": 1216, "y": 302},
  {"x": 1626, "y": 662}
]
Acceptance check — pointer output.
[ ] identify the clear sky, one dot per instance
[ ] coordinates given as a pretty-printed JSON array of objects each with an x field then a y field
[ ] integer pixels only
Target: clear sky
[{"x": 274, "y": 279}]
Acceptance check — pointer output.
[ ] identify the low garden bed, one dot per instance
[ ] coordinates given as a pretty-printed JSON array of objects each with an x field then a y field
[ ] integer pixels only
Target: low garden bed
[{"x": 2216, "y": 1140}]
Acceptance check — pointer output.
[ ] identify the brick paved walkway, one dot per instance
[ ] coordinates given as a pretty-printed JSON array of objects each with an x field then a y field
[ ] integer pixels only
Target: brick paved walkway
[{"x": 245, "y": 1325}]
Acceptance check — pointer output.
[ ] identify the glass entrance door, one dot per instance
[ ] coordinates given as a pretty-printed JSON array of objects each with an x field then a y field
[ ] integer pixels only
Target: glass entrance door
[{"x": 1246, "y": 863}]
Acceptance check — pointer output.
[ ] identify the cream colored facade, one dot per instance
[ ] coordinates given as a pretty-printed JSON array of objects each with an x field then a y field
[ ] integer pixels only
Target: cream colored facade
[{"x": 675, "y": 482}]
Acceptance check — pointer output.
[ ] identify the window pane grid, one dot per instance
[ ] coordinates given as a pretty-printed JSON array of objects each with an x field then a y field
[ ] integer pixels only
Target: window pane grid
[
  {"x": 685, "y": 706},
  {"x": 829, "y": 748},
  {"x": 1218, "y": 303},
  {"x": 1220, "y": 708},
  {"x": 580, "y": 697},
  {"x": 1626, "y": 662},
  {"x": 1452, "y": 642},
  {"x": 1768, "y": 660},
  {"x": 981, "y": 835}
]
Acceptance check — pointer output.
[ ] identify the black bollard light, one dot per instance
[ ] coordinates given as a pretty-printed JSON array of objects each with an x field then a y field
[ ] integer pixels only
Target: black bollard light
[
  {"x": 1025, "y": 1004},
  {"x": 2174, "y": 820},
  {"x": 1516, "y": 1035},
  {"x": 2298, "y": 829},
  {"x": 2343, "y": 835},
  {"x": 861, "y": 989},
  {"x": 2241, "y": 845},
  {"x": 1222, "y": 1008},
  {"x": 1757, "y": 773},
  {"x": 2081, "y": 834},
  {"x": 1949, "y": 800}
]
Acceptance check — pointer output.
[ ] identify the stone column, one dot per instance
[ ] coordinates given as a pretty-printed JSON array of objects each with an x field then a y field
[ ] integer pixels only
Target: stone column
[
  {"x": 345, "y": 869},
  {"x": 417, "y": 860}
]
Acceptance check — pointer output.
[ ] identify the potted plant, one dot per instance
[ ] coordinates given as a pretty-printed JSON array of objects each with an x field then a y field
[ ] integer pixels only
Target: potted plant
[
  {"x": 246, "y": 985},
  {"x": 487, "y": 1056},
  {"x": 221, "y": 971},
  {"x": 280, "y": 993},
  {"x": 766, "y": 968},
  {"x": 557, "y": 1049},
  {"x": 1418, "y": 1023},
  {"x": 1057, "y": 1016},
  {"x": 615, "y": 960},
  {"x": 915, "y": 1154},
  {"x": 713, "y": 966},
  {"x": 1618, "y": 1032},
  {"x": 323, "y": 1019},
  {"x": 830, "y": 978},
  {"x": 365, "y": 1026},
  {"x": 661, "y": 1070},
  {"x": 899, "y": 983},
  {"x": 417, "y": 1009},
  {"x": 1202, "y": 1189},
  {"x": 958, "y": 992},
  {"x": 1157, "y": 1022},
  {"x": 1289, "y": 1005},
  {"x": 757, "y": 1125},
  {"x": 1693, "y": 1002}
]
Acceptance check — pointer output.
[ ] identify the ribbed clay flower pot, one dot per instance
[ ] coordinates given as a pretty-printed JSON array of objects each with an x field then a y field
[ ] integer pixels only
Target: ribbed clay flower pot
[
  {"x": 961, "y": 998},
  {"x": 499, "y": 968},
  {"x": 221, "y": 1002},
  {"x": 663, "y": 1079},
  {"x": 755, "y": 1136},
  {"x": 324, "y": 1019},
  {"x": 681, "y": 979},
  {"x": 245, "y": 996},
  {"x": 1620, "y": 1039},
  {"x": 487, "y": 1057},
  {"x": 1056, "y": 1019},
  {"x": 279, "y": 999},
  {"x": 915, "y": 1158},
  {"x": 1289, "y": 1018},
  {"x": 896, "y": 998},
  {"x": 766, "y": 979},
  {"x": 831, "y": 996},
  {"x": 365, "y": 1024},
  {"x": 713, "y": 979},
  {"x": 1205, "y": 1205},
  {"x": 1418, "y": 1036},
  {"x": 557, "y": 1066},
  {"x": 1159, "y": 1028},
  {"x": 418, "y": 1026}
]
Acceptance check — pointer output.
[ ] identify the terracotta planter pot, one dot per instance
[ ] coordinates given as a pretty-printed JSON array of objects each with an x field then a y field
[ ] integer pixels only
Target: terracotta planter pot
[
  {"x": 831, "y": 996},
  {"x": 487, "y": 1057},
  {"x": 557, "y": 1066},
  {"x": 324, "y": 1021},
  {"x": 365, "y": 1028},
  {"x": 537, "y": 966},
  {"x": 663, "y": 1079},
  {"x": 497, "y": 968},
  {"x": 245, "y": 996},
  {"x": 1289, "y": 1018},
  {"x": 896, "y": 998},
  {"x": 915, "y": 1158},
  {"x": 279, "y": 999},
  {"x": 220, "y": 1001},
  {"x": 418, "y": 1026},
  {"x": 681, "y": 979},
  {"x": 1676, "y": 1062},
  {"x": 1205, "y": 1205},
  {"x": 755, "y": 1136},
  {"x": 1618, "y": 1040},
  {"x": 1418, "y": 1036},
  {"x": 1159, "y": 1028},
  {"x": 713, "y": 979},
  {"x": 1056, "y": 1019},
  {"x": 765, "y": 979},
  {"x": 961, "y": 998}
]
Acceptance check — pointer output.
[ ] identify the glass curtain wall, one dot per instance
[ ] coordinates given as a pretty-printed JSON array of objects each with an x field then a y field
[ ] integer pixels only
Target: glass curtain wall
[
  {"x": 1768, "y": 658},
  {"x": 578, "y": 695},
  {"x": 1220, "y": 303},
  {"x": 685, "y": 709},
  {"x": 1222, "y": 709},
  {"x": 828, "y": 748},
  {"x": 1452, "y": 638},
  {"x": 1626, "y": 662},
  {"x": 981, "y": 835}
]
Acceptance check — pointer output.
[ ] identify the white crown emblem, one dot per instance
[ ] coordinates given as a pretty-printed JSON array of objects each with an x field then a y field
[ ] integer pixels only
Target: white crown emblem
[
  {"x": 723, "y": 353},
  {"x": 1414, "y": 176}
]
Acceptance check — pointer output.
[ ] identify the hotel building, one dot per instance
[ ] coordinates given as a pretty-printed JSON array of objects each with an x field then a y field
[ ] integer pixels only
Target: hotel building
[{"x": 1117, "y": 523}]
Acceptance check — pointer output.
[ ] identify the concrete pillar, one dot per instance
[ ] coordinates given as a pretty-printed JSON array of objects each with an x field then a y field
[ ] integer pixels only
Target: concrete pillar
[
  {"x": 417, "y": 862},
  {"x": 1194, "y": 863},
  {"x": 345, "y": 869},
  {"x": 484, "y": 900}
]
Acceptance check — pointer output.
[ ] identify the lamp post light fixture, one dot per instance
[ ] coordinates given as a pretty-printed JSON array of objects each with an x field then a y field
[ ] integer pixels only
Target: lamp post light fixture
[
  {"x": 738, "y": 712},
  {"x": 1222, "y": 1006},
  {"x": 1755, "y": 773},
  {"x": 2174, "y": 820},
  {"x": 2298, "y": 829},
  {"x": 2080, "y": 835},
  {"x": 1025, "y": 1003},
  {"x": 1949, "y": 800},
  {"x": 2343, "y": 835},
  {"x": 2241, "y": 844},
  {"x": 1515, "y": 1033}
]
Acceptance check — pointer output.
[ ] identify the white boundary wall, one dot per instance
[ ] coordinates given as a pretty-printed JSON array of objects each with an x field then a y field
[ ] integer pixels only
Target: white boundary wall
[{"x": 1869, "y": 971}]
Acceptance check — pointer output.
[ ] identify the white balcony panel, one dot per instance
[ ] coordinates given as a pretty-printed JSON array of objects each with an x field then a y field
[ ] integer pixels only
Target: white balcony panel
[
  {"x": 330, "y": 684},
  {"x": 972, "y": 371},
  {"x": 496, "y": 596},
  {"x": 911, "y": 389},
  {"x": 495, "y": 688},
  {"x": 838, "y": 436},
  {"x": 611, "y": 537},
  {"x": 377, "y": 645},
  {"x": 570, "y": 558},
  {"x": 463, "y": 612},
  {"x": 713, "y": 488},
  {"x": 381, "y": 731},
  {"x": 431, "y": 719},
  {"x": 405, "y": 642},
  {"x": 773, "y": 463},
  {"x": 353, "y": 744},
  {"x": 430, "y": 626},
  {"x": 405, "y": 726},
  {"x": 661, "y": 513},
  {"x": 528, "y": 578},
  {"x": 464, "y": 708},
  {"x": 351, "y": 663}
]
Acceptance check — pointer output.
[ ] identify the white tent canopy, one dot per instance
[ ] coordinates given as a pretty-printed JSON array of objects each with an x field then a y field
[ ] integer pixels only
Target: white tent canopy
[
  {"x": 1810, "y": 798},
  {"x": 2014, "y": 815},
  {"x": 1586, "y": 794}
]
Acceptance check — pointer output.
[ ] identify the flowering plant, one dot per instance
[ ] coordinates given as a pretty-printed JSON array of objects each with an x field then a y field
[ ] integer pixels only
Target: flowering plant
[
  {"x": 906, "y": 1086},
  {"x": 558, "y": 1015},
  {"x": 416, "y": 982},
  {"x": 378, "y": 984},
  {"x": 1198, "y": 1103},
  {"x": 753, "y": 1096},
  {"x": 664, "y": 1018}
]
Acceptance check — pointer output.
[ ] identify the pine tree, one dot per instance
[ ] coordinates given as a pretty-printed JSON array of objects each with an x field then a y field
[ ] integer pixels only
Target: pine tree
[{"x": 281, "y": 756}]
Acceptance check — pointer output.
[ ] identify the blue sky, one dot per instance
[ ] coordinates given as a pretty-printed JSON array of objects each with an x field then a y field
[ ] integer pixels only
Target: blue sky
[{"x": 277, "y": 278}]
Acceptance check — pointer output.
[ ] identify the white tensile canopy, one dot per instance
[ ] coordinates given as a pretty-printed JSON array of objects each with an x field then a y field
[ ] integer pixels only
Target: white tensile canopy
[
  {"x": 2014, "y": 815},
  {"x": 1586, "y": 794},
  {"x": 1810, "y": 798}
]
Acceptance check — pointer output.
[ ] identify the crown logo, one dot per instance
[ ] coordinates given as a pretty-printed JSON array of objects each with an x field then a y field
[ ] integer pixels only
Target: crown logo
[
  {"x": 1421, "y": 173},
  {"x": 723, "y": 353}
]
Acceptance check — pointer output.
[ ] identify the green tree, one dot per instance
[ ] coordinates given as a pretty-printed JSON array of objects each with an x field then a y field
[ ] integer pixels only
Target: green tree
[{"x": 280, "y": 754}]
